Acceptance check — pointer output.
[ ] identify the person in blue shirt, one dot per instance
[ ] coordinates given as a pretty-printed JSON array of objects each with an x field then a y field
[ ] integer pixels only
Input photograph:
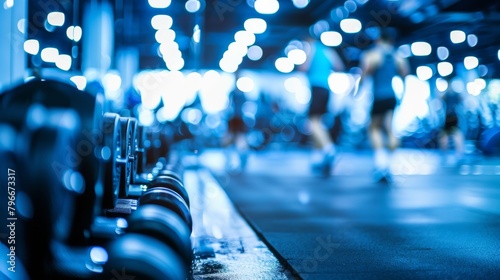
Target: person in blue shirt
[
  {"x": 321, "y": 61},
  {"x": 383, "y": 63}
]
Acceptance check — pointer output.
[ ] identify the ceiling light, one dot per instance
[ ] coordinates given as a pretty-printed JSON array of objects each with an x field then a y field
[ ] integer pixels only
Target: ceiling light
[
  {"x": 31, "y": 46},
  {"x": 245, "y": 84},
  {"x": 471, "y": 62},
  {"x": 56, "y": 18},
  {"x": 297, "y": 56},
  {"x": 284, "y": 65},
  {"x": 244, "y": 37},
  {"x": 266, "y": 6},
  {"x": 472, "y": 40},
  {"x": 254, "y": 53},
  {"x": 350, "y": 25},
  {"x": 63, "y": 62},
  {"x": 424, "y": 73},
  {"x": 421, "y": 48},
  {"x": 457, "y": 36},
  {"x": 49, "y": 54},
  {"x": 300, "y": 3},
  {"x": 331, "y": 38},
  {"x": 161, "y": 22},
  {"x": 442, "y": 53},
  {"x": 255, "y": 25},
  {"x": 159, "y": 4},
  {"x": 445, "y": 68},
  {"x": 74, "y": 33},
  {"x": 441, "y": 84},
  {"x": 192, "y": 6}
]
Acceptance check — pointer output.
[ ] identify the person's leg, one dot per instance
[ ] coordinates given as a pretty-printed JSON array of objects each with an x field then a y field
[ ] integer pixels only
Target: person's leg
[
  {"x": 392, "y": 139},
  {"x": 377, "y": 142},
  {"x": 319, "y": 133},
  {"x": 242, "y": 148},
  {"x": 443, "y": 141},
  {"x": 459, "y": 143},
  {"x": 324, "y": 156}
]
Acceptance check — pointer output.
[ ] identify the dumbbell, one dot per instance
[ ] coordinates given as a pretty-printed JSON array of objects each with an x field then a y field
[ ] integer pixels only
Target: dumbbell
[
  {"x": 140, "y": 161},
  {"x": 51, "y": 189},
  {"x": 172, "y": 183},
  {"x": 138, "y": 256},
  {"x": 80, "y": 156},
  {"x": 169, "y": 199},
  {"x": 165, "y": 225}
]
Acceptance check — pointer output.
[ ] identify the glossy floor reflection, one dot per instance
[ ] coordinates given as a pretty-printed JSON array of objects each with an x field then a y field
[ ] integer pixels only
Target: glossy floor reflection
[
  {"x": 438, "y": 219},
  {"x": 225, "y": 246}
]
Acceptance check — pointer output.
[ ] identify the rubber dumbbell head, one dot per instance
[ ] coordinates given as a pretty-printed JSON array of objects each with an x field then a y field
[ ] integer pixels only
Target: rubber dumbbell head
[
  {"x": 169, "y": 199},
  {"x": 137, "y": 256},
  {"x": 169, "y": 182},
  {"x": 164, "y": 225}
]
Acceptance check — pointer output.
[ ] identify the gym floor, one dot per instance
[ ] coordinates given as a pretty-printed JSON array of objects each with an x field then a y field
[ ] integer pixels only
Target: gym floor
[{"x": 277, "y": 220}]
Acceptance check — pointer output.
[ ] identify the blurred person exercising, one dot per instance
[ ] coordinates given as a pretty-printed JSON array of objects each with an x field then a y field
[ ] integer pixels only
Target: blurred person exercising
[
  {"x": 382, "y": 63},
  {"x": 452, "y": 102},
  {"x": 237, "y": 129},
  {"x": 321, "y": 61}
]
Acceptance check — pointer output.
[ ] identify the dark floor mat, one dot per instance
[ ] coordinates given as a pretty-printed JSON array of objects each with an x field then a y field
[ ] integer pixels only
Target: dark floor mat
[{"x": 347, "y": 227}]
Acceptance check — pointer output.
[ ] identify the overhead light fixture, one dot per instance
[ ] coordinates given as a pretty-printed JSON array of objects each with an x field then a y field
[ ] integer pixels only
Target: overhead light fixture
[
  {"x": 350, "y": 25},
  {"x": 445, "y": 68},
  {"x": 165, "y": 35},
  {"x": 238, "y": 48},
  {"x": 245, "y": 84},
  {"x": 331, "y": 38},
  {"x": 8, "y": 4},
  {"x": 470, "y": 62},
  {"x": 21, "y": 25},
  {"x": 472, "y": 40},
  {"x": 457, "y": 36},
  {"x": 56, "y": 18},
  {"x": 193, "y": 6},
  {"x": 284, "y": 65},
  {"x": 74, "y": 33},
  {"x": 159, "y": 4},
  {"x": 266, "y": 6},
  {"x": 161, "y": 22},
  {"x": 442, "y": 53},
  {"x": 63, "y": 62},
  {"x": 79, "y": 81},
  {"x": 300, "y": 3},
  {"x": 424, "y": 73},
  {"x": 196, "y": 33},
  {"x": 441, "y": 84},
  {"x": 31, "y": 46},
  {"x": 255, "y": 25},
  {"x": 297, "y": 56},
  {"x": 475, "y": 87},
  {"x": 421, "y": 48},
  {"x": 49, "y": 54},
  {"x": 227, "y": 66},
  {"x": 255, "y": 53},
  {"x": 244, "y": 37}
]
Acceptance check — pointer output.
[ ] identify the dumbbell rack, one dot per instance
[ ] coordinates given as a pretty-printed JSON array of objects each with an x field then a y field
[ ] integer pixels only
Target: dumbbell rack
[{"x": 99, "y": 204}]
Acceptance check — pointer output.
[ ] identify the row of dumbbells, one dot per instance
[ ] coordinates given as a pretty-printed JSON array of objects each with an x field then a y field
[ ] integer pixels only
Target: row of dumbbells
[{"x": 90, "y": 202}]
